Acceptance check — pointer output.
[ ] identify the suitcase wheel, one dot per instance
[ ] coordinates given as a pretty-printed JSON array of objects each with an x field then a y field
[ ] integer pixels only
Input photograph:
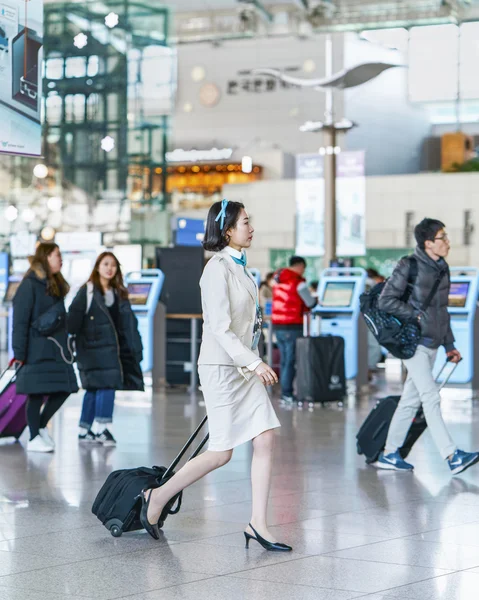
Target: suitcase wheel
[
  {"x": 115, "y": 527},
  {"x": 115, "y": 531}
]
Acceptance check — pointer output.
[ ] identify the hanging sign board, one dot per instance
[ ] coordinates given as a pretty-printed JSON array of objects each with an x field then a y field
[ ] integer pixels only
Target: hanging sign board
[
  {"x": 310, "y": 202},
  {"x": 351, "y": 204}
]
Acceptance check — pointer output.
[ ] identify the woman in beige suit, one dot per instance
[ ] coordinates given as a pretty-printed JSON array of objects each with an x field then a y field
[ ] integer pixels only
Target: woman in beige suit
[{"x": 232, "y": 375}]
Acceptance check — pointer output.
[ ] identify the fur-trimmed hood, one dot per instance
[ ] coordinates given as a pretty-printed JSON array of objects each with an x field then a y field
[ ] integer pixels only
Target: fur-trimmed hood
[
  {"x": 56, "y": 285},
  {"x": 37, "y": 269}
]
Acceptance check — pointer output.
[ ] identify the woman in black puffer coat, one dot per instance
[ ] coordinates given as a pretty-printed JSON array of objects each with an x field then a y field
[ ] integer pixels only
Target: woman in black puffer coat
[
  {"x": 108, "y": 346},
  {"x": 40, "y": 343}
]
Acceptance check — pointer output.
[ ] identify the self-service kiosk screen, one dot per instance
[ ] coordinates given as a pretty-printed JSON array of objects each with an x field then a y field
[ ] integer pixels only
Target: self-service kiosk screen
[
  {"x": 458, "y": 294},
  {"x": 338, "y": 294},
  {"x": 138, "y": 293}
]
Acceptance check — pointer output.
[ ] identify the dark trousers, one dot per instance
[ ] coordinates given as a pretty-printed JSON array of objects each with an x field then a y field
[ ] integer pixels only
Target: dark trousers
[
  {"x": 286, "y": 339},
  {"x": 38, "y": 418}
]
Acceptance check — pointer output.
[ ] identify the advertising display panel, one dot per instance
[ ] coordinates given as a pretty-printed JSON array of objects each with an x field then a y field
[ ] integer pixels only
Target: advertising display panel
[{"x": 21, "y": 54}]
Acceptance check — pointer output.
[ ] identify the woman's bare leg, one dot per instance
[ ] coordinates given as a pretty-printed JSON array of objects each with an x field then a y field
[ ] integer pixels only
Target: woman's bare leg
[
  {"x": 193, "y": 470},
  {"x": 261, "y": 468}
]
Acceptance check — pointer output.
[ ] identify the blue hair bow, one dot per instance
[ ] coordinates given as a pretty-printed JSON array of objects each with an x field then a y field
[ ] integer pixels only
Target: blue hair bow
[{"x": 222, "y": 214}]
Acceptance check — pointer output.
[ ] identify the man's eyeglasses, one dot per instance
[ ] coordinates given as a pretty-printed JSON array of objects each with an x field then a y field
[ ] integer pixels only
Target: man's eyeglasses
[{"x": 443, "y": 238}]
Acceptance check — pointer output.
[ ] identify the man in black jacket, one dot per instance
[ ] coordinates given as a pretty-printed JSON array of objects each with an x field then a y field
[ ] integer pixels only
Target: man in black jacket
[{"x": 420, "y": 388}]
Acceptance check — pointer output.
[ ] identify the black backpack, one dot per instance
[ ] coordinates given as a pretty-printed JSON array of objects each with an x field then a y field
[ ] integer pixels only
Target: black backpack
[{"x": 401, "y": 339}]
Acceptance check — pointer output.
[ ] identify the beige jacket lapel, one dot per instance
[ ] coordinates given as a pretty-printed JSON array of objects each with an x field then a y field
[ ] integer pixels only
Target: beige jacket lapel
[{"x": 239, "y": 272}]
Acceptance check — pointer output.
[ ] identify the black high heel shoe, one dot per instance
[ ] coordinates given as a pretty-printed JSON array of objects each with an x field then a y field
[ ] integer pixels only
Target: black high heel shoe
[
  {"x": 272, "y": 546},
  {"x": 151, "y": 528}
]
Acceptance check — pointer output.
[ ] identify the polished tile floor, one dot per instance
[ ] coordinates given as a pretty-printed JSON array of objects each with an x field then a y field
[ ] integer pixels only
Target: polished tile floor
[{"x": 357, "y": 532}]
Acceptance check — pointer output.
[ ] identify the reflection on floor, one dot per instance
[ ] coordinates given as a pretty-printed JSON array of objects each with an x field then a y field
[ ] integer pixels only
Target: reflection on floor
[{"x": 357, "y": 532}]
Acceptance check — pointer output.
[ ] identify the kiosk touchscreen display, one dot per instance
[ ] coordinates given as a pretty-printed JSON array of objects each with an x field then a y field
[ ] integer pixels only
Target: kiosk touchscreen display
[
  {"x": 338, "y": 294},
  {"x": 458, "y": 294},
  {"x": 138, "y": 293}
]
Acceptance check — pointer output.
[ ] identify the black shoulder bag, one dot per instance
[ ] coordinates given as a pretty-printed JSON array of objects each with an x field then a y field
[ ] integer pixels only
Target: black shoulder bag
[{"x": 401, "y": 339}]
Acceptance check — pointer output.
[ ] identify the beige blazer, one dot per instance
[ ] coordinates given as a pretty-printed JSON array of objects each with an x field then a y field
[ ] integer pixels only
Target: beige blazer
[{"x": 228, "y": 297}]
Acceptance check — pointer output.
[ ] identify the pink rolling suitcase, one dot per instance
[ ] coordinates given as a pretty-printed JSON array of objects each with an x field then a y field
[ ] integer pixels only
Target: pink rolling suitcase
[{"x": 13, "y": 418}]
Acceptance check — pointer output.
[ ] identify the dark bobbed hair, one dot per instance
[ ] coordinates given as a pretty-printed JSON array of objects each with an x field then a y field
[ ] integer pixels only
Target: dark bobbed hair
[
  {"x": 427, "y": 230},
  {"x": 117, "y": 281},
  {"x": 296, "y": 260},
  {"x": 215, "y": 238}
]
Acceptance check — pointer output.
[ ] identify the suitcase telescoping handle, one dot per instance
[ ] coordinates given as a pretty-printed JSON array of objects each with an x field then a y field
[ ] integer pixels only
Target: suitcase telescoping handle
[
  {"x": 183, "y": 451},
  {"x": 446, "y": 380}
]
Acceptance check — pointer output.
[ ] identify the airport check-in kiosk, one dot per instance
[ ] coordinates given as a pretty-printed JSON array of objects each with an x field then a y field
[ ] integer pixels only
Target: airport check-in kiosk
[
  {"x": 144, "y": 289},
  {"x": 463, "y": 297},
  {"x": 339, "y": 292}
]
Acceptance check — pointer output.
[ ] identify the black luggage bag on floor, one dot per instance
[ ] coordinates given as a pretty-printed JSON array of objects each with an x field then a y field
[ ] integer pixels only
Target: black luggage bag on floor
[
  {"x": 320, "y": 370},
  {"x": 372, "y": 436},
  {"x": 118, "y": 503}
]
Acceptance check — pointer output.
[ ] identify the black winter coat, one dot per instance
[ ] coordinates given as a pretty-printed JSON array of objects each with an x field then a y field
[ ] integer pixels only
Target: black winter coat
[
  {"x": 436, "y": 322},
  {"x": 45, "y": 370},
  {"x": 107, "y": 358}
]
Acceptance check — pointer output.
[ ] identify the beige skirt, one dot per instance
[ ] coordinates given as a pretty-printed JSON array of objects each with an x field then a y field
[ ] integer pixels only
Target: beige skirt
[{"x": 238, "y": 410}]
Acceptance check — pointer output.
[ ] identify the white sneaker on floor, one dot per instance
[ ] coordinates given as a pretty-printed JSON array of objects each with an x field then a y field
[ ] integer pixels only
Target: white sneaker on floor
[
  {"x": 46, "y": 438},
  {"x": 38, "y": 445}
]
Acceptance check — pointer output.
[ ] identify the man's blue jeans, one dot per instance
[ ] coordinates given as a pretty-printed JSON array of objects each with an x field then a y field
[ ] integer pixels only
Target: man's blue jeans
[
  {"x": 286, "y": 339},
  {"x": 97, "y": 406}
]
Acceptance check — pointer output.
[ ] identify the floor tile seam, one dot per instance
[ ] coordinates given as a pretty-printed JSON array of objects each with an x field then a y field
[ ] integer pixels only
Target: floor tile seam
[
  {"x": 298, "y": 556},
  {"x": 384, "y": 592},
  {"x": 28, "y": 589},
  {"x": 304, "y": 585},
  {"x": 376, "y": 562},
  {"x": 76, "y": 562},
  {"x": 397, "y": 506},
  {"x": 37, "y": 534},
  {"x": 282, "y": 562},
  {"x": 209, "y": 577},
  {"x": 407, "y": 538},
  {"x": 301, "y": 520},
  {"x": 407, "y": 535},
  {"x": 292, "y": 525},
  {"x": 439, "y": 529}
]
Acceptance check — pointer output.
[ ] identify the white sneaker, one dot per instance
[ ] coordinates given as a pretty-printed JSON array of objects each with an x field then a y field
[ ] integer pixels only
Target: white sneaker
[
  {"x": 38, "y": 445},
  {"x": 46, "y": 437}
]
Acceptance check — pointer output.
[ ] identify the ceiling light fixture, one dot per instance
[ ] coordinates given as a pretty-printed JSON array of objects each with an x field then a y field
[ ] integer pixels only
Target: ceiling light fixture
[
  {"x": 11, "y": 213},
  {"x": 47, "y": 233},
  {"x": 40, "y": 171},
  {"x": 28, "y": 215},
  {"x": 107, "y": 143},
  {"x": 112, "y": 20},
  {"x": 246, "y": 164},
  {"x": 80, "y": 40},
  {"x": 55, "y": 203}
]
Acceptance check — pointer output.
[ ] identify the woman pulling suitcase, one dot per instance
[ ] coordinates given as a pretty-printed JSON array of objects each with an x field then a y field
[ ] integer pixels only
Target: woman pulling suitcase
[
  {"x": 231, "y": 374},
  {"x": 40, "y": 343},
  {"x": 108, "y": 346}
]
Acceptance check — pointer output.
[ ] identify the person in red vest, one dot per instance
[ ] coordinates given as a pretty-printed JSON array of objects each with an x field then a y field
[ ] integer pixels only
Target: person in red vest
[{"x": 291, "y": 300}]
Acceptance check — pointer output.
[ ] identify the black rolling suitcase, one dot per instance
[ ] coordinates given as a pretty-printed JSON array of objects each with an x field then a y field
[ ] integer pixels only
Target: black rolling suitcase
[
  {"x": 117, "y": 504},
  {"x": 371, "y": 438},
  {"x": 320, "y": 370}
]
